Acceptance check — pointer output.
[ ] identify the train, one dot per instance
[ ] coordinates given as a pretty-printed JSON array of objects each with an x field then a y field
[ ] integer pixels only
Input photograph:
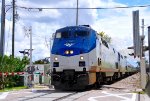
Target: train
[{"x": 80, "y": 57}]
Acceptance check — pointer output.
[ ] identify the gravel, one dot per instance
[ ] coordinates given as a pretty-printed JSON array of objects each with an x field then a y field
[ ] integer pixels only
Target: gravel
[{"x": 128, "y": 84}]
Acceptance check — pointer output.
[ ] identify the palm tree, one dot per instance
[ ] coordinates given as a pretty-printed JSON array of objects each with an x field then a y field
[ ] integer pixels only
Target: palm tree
[{"x": 105, "y": 36}]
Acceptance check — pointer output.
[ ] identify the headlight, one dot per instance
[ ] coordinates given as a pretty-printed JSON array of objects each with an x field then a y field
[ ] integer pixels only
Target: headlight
[
  {"x": 71, "y": 52},
  {"x": 55, "y": 58},
  {"x": 66, "y": 52},
  {"x": 81, "y": 57}
]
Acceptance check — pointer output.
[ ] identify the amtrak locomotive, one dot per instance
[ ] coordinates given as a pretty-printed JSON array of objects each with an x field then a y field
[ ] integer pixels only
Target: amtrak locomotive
[{"x": 80, "y": 57}]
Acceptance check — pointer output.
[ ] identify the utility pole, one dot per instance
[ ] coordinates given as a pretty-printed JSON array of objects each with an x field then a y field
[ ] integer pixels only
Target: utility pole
[
  {"x": 2, "y": 35},
  {"x": 30, "y": 81},
  {"x": 30, "y": 31},
  {"x": 13, "y": 28},
  {"x": 77, "y": 13},
  {"x": 149, "y": 45}
]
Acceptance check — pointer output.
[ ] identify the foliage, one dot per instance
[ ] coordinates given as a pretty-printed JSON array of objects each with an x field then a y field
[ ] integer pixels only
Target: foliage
[
  {"x": 105, "y": 36},
  {"x": 42, "y": 61},
  {"x": 10, "y": 64},
  {"x": 39, "y": 62}
]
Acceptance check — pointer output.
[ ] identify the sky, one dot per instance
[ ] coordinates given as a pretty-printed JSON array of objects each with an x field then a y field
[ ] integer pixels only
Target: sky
[{"x": 116, "y": 23}]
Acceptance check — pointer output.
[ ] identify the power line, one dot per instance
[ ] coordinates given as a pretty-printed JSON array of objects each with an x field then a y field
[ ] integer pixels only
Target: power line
[{"x": 119, "y": 7}]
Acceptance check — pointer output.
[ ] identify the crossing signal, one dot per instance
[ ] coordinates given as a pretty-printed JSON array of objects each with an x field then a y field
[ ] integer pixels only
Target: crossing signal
[
  {"x": 30, "y": 69},
  {"x": 24, "y": 52}
]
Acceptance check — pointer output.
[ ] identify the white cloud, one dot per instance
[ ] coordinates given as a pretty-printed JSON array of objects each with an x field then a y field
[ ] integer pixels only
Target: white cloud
[{"x": 117, "y": 23}]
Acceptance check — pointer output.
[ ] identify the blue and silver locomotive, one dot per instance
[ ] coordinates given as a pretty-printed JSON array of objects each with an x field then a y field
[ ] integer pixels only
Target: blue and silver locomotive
[{"x": 80, "y": 57}]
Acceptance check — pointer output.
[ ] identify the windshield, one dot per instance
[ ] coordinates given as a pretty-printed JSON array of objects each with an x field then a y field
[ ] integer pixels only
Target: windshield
[
  {"x": 81, "y": 33},
  {"x": 64, "y": 34}
]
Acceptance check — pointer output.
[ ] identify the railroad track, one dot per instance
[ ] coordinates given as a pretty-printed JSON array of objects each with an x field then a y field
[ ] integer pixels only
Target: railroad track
[
  {"x": 64, "y": 97},
  {"x": 36, "y": 96},
  {"x": 54, "y": 95}
]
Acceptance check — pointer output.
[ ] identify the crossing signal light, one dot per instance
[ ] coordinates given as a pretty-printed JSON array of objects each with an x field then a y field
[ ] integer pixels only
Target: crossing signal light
[
  {"x": 30, "y": 69},
  {"x": 23, "y": 52},
  {"x": 132, "y": 54}
]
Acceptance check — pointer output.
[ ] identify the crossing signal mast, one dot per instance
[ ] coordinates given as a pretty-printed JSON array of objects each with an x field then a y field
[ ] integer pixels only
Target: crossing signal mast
[
  {"x": 136, "y": 34},
  {"x": 138, "y": 42}
]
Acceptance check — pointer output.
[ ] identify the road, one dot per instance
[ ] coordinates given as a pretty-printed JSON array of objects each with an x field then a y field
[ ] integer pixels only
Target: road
[{"x": 52, "y": 95}]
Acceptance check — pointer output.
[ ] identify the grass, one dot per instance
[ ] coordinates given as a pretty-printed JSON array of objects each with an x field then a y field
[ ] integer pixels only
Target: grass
[
  {"x": 13, "y": 89},
  {"x": 39, "y": 87},
  {"x": 139, "y": 92}
]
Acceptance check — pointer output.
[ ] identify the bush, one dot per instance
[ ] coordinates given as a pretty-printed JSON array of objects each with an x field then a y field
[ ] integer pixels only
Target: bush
[{"x": 10, "y": 64}]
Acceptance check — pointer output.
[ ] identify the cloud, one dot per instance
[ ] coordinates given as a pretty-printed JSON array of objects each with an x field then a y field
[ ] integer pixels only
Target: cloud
[{"x": 117, "y": 23}]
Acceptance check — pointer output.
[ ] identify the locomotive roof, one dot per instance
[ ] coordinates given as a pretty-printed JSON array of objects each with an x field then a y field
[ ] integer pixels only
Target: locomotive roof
[{"x": 80, "y": 27}]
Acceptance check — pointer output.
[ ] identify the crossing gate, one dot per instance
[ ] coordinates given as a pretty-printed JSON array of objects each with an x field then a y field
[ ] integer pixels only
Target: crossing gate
[
  {"x": 12, "y": 73},
  {"x": 18, "y": 73}
]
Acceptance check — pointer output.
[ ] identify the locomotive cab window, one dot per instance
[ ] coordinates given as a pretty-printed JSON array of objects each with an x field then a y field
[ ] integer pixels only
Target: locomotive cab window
[
  {"x": 64, "y": 34},
  {"x": 81, "y": 33}
]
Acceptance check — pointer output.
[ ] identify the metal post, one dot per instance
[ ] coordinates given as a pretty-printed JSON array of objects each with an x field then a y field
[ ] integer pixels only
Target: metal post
[
  {"x": 149, "y": 45},
  {"x": 13, "y": 28},
  {"x": 142, "y": 39},
  {"x": 3, "y": 81},
  {"x": 50, "y": 46},
  {"x": 143, "y": 73},
  {"x": 142, "y": 26},
  {"x": 30, "y": 30},
  {"x": 77, "y": 14},
  {"x": 30, "y": 46},
  {"x": 2, "y": 36},
  {"x": 136, "y": 34}
]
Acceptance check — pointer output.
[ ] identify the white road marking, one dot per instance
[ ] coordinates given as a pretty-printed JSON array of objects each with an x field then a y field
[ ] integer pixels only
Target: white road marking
[
  {"x": 115, "y": 95},
  {"x": 134, "y": 97},
  {"x": 19, "y": 92},
  {"x": 4, "y": 95}
]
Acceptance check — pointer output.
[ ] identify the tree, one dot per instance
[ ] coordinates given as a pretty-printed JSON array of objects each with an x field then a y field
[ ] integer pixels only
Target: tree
[
  {"x": 42, "y": 61},
  {"x": 105, "y": 36},
  {"x": 10, "y": 64}
]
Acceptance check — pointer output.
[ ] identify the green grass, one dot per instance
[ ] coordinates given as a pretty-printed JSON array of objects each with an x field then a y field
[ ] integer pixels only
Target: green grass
[
  {"x": 13, "y": 89},
  {"x": 141, "y": 92}
]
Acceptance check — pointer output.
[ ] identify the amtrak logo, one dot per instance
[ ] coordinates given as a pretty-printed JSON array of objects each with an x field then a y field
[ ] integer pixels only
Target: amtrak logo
[{"x": 68, "y": 44}]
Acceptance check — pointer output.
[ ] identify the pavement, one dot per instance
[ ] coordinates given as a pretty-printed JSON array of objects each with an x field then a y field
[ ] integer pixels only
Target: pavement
[
  {"x": 3, "y": 95},
  {"x": 43, "y": 93}
]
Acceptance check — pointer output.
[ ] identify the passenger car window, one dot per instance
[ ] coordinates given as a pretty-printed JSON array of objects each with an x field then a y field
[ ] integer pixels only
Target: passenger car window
[{"x": 104, "y": 43}]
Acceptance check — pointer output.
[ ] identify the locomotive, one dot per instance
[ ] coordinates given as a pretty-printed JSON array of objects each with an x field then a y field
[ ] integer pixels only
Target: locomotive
[{"x": 80, "y": 57}]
